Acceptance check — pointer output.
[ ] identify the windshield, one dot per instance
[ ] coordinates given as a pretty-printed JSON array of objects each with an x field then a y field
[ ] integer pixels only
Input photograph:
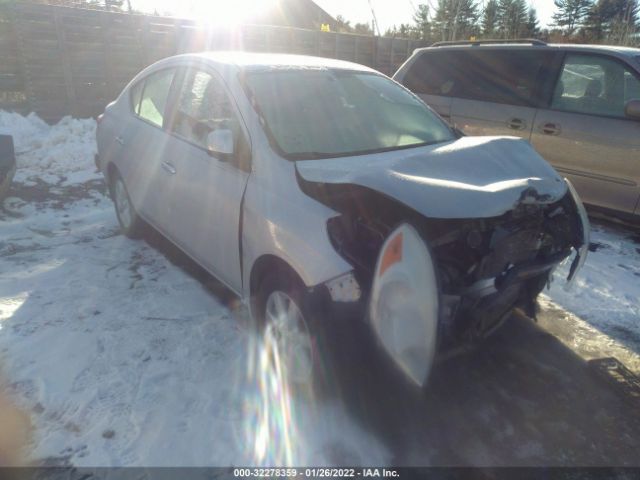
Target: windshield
[{"x": 329, "y": 113}]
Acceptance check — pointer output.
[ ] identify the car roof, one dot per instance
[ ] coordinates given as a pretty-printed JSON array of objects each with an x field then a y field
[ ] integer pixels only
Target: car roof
[
  {"x": 266, "y": 61},
  {"x": 615, "y": 49}
]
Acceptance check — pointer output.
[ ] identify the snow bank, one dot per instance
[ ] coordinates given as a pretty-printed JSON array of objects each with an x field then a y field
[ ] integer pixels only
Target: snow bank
[
  {"x": 58, "y": 154},
  {"x": 607, "y": 288}
]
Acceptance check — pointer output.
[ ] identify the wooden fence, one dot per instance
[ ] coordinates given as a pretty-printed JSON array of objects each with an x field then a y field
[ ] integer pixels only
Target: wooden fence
[{"x": 60, "y": 61}]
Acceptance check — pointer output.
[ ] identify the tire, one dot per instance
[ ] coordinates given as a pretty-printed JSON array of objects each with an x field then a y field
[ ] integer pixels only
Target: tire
[
  {"x": 289, "y": 336},
  {"x": 130, "y": 222}
]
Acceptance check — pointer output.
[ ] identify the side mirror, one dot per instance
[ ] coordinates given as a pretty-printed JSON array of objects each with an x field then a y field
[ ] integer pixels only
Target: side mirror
[
  {"x": 220, "y": 141},
  {"x": 632, "y": 109}
]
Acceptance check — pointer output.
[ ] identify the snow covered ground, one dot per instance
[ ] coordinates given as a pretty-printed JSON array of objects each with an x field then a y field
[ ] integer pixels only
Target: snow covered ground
[
  {"x": 607, "y": 291},
  {"x": 122, "y": 357}
]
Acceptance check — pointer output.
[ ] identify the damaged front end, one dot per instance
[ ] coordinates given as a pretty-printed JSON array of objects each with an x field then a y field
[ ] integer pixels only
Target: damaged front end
[{"x": 467, "y": 277}]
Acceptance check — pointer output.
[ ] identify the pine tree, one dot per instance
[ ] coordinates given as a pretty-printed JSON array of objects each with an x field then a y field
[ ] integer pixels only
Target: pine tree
[
  {"x": 512, "y": 18},
  {"x": 489, "y": 25},
  {"x": 570, "y": 14},
  {"x": 422, "y": 22},
  {"x": 613, "y": 21},
  {"x": 532, "y": 27},
  {"x": 455, "y": 19}
]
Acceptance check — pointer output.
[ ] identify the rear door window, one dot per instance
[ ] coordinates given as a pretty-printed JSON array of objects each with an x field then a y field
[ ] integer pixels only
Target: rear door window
[
  {"x": 503, "y": 76},
  {"x": 490, "y": 75},
  {"x": 596, "y": 85},
  {"x": 153, "y": 96}
]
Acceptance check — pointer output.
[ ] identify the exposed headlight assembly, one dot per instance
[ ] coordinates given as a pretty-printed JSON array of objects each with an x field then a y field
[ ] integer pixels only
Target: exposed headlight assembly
[
  {"x": 585, "y": 233},
  {"x": 403, "y": 308}
]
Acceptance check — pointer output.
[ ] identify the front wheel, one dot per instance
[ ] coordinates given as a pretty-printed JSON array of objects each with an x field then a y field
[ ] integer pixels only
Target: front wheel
[
  {"x": 288, "y": 339},
  {"x": 130, "y": 223}
]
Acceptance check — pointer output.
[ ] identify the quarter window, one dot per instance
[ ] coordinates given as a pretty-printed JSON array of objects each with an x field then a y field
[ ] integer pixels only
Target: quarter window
[
  {"x": 203, "y": 106},
  {"x": 136, "y": 95},
  {"x": 595, "y": 85},
  {"x": 153, "y": 96}
]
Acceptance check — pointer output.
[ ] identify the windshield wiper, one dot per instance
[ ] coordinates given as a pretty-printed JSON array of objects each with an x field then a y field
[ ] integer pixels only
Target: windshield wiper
[{"x": 321, "y": 155}]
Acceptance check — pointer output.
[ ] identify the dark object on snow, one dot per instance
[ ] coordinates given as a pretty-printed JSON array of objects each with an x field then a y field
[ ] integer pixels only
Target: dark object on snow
[
  {"x": 7, "y": 164},
  {"x": 618, "y": 376}
]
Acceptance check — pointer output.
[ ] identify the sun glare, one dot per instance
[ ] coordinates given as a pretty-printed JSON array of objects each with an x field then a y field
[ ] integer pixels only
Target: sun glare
[
  {"x": 228, "y": 13},
  {"x": 9, "y": 305}
]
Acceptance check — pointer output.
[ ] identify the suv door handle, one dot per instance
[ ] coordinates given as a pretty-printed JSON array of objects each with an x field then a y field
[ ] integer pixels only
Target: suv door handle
[
  {"x": 550, "y": 129},
  {"x": 517, "y": 124},
  {"x": 167, "y": 167}
]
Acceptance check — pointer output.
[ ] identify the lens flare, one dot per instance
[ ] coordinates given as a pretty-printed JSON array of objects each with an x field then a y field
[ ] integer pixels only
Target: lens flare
[{"x": 270, "y": 427}]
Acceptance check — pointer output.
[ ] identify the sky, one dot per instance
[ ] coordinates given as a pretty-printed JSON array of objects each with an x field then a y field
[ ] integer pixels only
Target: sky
[{"x": 388, "y": 12}]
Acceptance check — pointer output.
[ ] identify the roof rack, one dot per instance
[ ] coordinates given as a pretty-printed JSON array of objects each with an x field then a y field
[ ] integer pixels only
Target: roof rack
[{"x": 476, "y": 43}]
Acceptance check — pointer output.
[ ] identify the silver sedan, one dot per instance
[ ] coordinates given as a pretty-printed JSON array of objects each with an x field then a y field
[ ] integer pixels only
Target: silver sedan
[{"x": 311, "y": 187}]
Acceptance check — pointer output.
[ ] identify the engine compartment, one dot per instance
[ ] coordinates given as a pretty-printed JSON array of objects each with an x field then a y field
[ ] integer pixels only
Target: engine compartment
[{"x": 486, "y": 267}]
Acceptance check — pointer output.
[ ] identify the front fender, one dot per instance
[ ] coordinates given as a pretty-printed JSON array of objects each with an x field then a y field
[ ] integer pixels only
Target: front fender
[{"x": 291, "y": 226}]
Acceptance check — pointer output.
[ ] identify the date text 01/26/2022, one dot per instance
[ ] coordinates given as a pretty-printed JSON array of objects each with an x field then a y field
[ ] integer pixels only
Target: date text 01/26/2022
[{"x": 315, "y": 472}]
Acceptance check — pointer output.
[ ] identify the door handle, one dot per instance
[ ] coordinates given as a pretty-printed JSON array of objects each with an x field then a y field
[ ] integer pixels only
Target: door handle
[
  {"x": 120, "y": 140},
  {"x": 167, "y": 167},
  {"x": 516, "y": 124},
  {"x": 550, "y": 129}
]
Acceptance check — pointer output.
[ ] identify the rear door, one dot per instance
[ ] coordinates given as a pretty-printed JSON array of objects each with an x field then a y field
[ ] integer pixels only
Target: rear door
[
  {"x": 205, "y": 188},
  {"x": 142, "y": 143},
  {"x": 497, "y": 93},
  {"x": 585, "y": 134}
]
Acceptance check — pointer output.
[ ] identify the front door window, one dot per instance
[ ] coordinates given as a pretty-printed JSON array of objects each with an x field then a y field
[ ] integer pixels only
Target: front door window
[{"x": 595, "y": 85}]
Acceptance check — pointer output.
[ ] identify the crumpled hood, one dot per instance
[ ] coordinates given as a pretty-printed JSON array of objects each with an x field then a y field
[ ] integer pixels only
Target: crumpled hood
[{"x": 473, "y": 177}]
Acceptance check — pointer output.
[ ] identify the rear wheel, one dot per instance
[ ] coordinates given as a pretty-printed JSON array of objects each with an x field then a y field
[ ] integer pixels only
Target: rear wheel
[{"x": 130, "y": 223}]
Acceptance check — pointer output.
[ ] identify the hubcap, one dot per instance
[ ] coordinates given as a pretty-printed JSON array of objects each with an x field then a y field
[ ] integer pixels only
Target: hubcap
[
  {"x": 288, "y": 330},
  {"x": 122, "y": 204}
]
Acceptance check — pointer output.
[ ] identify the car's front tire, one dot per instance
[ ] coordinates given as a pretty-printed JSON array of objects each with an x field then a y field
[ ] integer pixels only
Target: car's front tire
[
  {"x": 130, "y": 222},
  {"x": 288, "y": 334}
]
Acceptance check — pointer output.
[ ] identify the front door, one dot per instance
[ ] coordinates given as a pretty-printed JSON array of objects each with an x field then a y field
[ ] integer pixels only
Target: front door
[
  {"x": 206, "y": 186},
  {"x": 585, "y": 134}
]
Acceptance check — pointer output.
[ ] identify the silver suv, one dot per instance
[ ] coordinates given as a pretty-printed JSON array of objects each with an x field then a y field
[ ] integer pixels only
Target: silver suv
[{"x": 579, "y": 105}]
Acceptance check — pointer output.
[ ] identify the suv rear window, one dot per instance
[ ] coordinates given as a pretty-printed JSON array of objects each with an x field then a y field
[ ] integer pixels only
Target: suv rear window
[{"x": 491, "y": 75}]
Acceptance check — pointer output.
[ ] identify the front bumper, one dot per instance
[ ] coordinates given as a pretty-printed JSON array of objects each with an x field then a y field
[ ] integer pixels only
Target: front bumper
[{"x": 585, "y": 237}]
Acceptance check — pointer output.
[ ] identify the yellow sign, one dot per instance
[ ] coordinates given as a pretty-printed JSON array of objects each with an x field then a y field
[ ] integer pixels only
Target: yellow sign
[{"x": 325, "y": 27}]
